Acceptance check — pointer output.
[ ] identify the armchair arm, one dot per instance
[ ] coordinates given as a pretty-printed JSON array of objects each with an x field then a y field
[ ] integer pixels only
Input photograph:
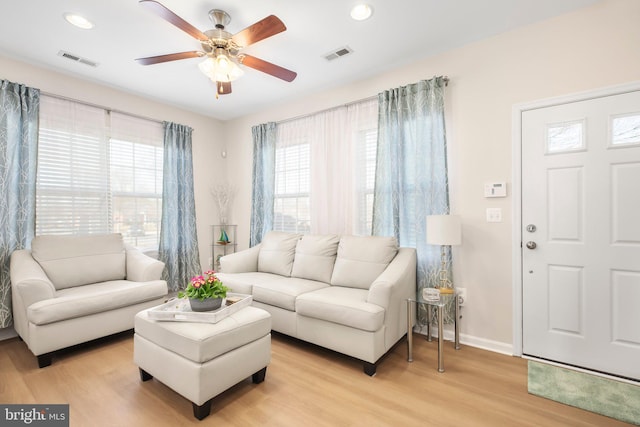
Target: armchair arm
[
  {"x": 142, "y": 268},
  {"x": 29, "y": 282},
  {"x": 241, "y": 262}
]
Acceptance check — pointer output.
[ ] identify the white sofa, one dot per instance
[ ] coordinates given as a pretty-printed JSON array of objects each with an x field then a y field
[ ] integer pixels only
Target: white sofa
[
  {"x": 68, "y": 290},
  {"x": 345, "y": 293}
]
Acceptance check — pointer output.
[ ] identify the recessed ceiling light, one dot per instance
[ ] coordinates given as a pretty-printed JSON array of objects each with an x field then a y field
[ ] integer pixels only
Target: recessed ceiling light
[
  {"x": 78, "y": 21},
  {"x": 360, "y": 12}
]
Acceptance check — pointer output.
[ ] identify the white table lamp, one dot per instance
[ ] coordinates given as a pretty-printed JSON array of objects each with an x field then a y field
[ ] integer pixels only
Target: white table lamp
[{"x": 444, "y": 230}]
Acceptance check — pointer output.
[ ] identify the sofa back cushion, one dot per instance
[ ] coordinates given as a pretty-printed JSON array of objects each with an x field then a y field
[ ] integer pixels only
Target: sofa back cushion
[
  {"x": 277, "y": 251},
  {"x": 315, "y": 257},
  {"x": 361, "y": 259},
  {"x": 72, "y": 261}
]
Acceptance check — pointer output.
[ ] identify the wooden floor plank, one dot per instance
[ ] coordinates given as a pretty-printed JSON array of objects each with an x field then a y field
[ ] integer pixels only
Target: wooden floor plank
[{"x": 305, "y": 385}]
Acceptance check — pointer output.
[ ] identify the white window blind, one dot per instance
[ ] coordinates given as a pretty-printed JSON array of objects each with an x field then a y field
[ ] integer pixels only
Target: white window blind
[
  {"x": 72, "y": 191},
  {"x": 98, "y": 172},
  {"x": 291, "y": 201}
]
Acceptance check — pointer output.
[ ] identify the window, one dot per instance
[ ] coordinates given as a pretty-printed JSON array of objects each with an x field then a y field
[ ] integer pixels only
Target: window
[
  {"x": 325, "y": 171},
  {"x": 291, "y": 197},
  {"x": 98, "y": 172}
]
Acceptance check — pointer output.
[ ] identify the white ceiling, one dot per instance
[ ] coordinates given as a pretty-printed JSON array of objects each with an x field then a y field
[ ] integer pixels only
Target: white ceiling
[{"x": 399, "y": 32}]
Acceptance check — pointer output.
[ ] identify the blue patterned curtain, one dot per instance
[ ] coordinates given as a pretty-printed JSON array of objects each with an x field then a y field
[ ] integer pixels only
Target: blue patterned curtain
[
  {"x": 178, "y": 237},
  {"x": 264, "y": 163},
  {"x": 19, "y": 106},
  {"x": 411, "y": 171}
]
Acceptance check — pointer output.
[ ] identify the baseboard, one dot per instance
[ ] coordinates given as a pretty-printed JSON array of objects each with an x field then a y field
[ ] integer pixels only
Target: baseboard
[
  {"x": 470, "y": 340},
  {"x": 6, "y": 333}
]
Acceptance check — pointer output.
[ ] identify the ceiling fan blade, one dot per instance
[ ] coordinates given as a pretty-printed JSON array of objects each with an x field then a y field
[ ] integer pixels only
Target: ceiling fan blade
[
  {"x": 174, "y": 19},
  {"x": 267, "y": 67},
  {"x": 169, "y": 57},
  {"x": 223, "y": 88},
  {"x": 269, "y": 26}
]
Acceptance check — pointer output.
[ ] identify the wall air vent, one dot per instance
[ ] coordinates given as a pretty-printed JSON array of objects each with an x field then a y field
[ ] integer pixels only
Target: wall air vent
[
  {"x": 342, "y": 51},
  {"x": 77, "y": 58}
]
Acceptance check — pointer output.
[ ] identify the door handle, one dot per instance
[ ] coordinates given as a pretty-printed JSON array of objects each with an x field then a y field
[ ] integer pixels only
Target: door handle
[{"x": 531, "y": 245}]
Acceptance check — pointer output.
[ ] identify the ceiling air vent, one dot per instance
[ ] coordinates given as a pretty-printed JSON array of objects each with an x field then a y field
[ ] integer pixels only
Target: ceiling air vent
[
  {"x": 77, "y": 58},
  {"x": 338, "y": 53}
]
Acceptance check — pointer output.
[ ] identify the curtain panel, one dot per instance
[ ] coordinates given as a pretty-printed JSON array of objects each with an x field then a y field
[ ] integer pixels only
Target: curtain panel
[
  {"x": 263, "y": 177},
  {"x": 178, "y": 237},
  {"x": 19, "y": 108},
  {"x": 411, "y": 170}
]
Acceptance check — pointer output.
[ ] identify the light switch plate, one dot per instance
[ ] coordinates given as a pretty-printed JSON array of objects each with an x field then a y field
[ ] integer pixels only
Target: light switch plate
[{"x": 494, "y": 215}]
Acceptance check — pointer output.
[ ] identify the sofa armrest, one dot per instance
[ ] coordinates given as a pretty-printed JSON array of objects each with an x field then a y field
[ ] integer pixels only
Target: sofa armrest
[
  {"x": 142, "y": 268},
  {"x": 28, "y": 279},
  {"x": 397, "y": 282},
  {"x": 240, "y": 262}
]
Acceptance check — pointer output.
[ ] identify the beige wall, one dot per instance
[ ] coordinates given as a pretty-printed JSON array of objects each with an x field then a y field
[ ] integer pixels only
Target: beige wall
[
  {"x": 208, "y": 165},
  {"x": 592, "y": 48}
]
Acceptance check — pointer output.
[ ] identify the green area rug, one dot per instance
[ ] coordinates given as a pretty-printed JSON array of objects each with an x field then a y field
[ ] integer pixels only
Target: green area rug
[{"x": 604, "y": 396}]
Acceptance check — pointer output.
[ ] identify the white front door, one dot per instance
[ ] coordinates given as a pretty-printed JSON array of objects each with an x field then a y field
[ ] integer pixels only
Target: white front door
[{"x": 581, "y": 234}]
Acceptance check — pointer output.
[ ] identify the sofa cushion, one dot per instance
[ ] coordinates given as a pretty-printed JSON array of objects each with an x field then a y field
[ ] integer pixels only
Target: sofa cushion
[
  {"x": 94, "y": 298},
  {"x": 345, "y": 306},
  {"x": 283, "y": 293},
  {"x": 315, "y": 257},
  {"x": 242, "y": 283},
  {"x": 78, "y": 260},
  {"x": 361, "y": 259},
  {"x": 277, "y": 250}
]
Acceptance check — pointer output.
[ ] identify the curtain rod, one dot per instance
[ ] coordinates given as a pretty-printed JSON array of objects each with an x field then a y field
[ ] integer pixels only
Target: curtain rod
[
  {"x": 89, "y": 104},
  {"x": 326, "y": 110}
]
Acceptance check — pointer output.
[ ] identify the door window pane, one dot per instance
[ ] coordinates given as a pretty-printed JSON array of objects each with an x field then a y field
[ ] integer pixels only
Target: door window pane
[
  {"x": 625, "y": 129},
  {"x": 568, "y": 136}
]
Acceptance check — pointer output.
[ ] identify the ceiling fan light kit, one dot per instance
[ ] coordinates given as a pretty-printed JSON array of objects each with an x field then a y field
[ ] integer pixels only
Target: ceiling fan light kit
[{"x": 222, "y": 48}]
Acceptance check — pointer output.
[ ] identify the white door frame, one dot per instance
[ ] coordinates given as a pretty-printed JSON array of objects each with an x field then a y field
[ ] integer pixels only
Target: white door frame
[{"x": 516, "y": 161}]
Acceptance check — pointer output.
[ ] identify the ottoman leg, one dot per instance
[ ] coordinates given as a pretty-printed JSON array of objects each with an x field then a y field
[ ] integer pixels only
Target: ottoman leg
[
  {"x": 202, "y": 411},
  {"x": 258, "y": 377},
  {"x": 144, "y": 375}
]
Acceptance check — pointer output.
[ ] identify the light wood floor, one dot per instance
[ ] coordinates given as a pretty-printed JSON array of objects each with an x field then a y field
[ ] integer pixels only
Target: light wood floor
[{"x": 305, "y": 386}]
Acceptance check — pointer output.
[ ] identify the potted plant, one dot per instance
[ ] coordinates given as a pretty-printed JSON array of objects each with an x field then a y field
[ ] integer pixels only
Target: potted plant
[{"x": 205, "y": 292}]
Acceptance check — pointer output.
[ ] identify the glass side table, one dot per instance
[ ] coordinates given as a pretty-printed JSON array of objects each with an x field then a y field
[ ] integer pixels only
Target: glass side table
[{"x": 445, "y": 299}]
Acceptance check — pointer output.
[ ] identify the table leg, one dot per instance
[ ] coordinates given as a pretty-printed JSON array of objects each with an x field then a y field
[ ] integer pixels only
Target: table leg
[
  {"x": 429, "y": 323},
  {"x": 456, "y": 324},
  {"x": 409, "y": 332},
  {"x": 440, "y": 339}
]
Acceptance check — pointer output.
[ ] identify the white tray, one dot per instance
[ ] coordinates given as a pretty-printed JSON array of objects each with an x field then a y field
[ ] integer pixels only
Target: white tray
[{"x": 179, "y": 310}]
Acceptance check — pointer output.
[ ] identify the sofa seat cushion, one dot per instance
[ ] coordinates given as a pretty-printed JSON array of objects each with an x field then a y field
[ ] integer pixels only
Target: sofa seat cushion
[
  {"x": 361, "y": 259},
  {"x": 315, "y": 257},
  {"x": 72, "y": 261},
  {"x": 95, "y": 298},
  {"x": 345, "y": 306},
  {"x": 277, "y": 251},
  {"x": 283, "y": 293},
  {"x": 242, "y": 283},
  {"x": 201, "y": 342}
]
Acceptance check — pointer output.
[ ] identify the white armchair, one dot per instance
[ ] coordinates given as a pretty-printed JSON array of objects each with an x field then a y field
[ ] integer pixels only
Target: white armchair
[{"x": 71, "y": 289}]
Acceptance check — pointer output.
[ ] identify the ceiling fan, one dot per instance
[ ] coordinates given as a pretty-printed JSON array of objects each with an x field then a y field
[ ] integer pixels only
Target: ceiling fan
[{"x": 221, "y": 48}]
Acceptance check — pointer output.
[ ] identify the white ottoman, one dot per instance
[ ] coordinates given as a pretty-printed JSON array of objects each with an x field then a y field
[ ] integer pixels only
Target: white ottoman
[{"x": 201, "y": 360}]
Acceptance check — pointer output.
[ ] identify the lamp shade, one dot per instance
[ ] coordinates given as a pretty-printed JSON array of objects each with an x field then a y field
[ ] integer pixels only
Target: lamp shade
[{"x": 444, "y": 230}]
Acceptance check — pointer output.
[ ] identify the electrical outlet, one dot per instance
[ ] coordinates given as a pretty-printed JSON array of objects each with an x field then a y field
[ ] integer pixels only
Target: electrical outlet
[{"x": 462, "y": 296}]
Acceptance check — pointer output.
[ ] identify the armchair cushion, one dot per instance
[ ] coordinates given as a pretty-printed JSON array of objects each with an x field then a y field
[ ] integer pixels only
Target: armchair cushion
[
  {"x": 77, "y": 260},
  {"x": 96, "y": 298}
]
